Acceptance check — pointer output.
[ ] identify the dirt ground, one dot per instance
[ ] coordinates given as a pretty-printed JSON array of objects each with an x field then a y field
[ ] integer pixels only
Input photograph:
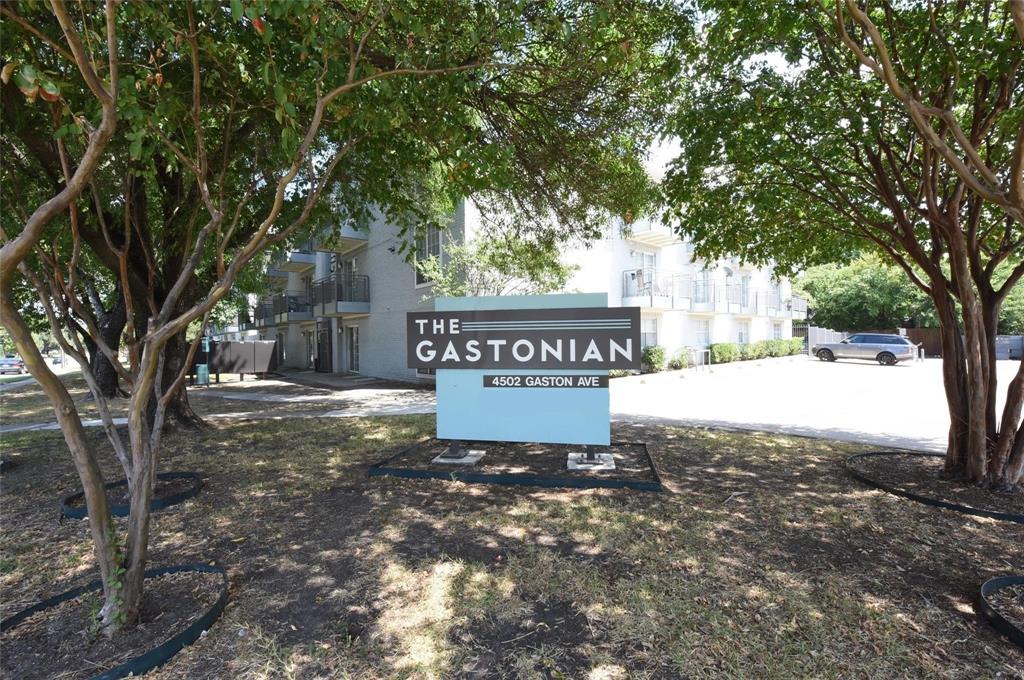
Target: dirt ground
[{"x": 763, "y": 559}]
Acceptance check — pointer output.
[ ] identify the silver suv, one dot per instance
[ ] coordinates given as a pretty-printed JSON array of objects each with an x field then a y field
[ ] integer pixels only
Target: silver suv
[{"x": 885, "y": 349}]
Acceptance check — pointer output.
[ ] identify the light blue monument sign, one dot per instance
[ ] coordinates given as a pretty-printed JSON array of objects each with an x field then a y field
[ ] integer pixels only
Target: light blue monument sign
[{"x": 530, "y": 368}]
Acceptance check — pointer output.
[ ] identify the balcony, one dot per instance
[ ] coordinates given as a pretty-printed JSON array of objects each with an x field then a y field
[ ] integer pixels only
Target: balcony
[
  {"x": 652, "y": 288},
  {"x": 741, "y": 300},
  {"x": 651, "y": 234},
  {"x": 292, "y": 307},
  {"x": 300, "y": 258},
  {"x": 770, "y": 303},
  {"x": 350, "y": 238},
  {"x": 263, "y": 313},
  {"x": 340, "y": 295},
  {"x": 798, "y": 306}
]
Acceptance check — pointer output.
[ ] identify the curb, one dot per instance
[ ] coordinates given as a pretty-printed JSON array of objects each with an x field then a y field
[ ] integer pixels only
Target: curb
[{"x": 160, "y": 654}]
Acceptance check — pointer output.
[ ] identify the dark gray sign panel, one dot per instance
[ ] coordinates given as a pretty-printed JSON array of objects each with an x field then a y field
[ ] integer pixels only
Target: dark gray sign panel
[{"x": 553, "y": 339}]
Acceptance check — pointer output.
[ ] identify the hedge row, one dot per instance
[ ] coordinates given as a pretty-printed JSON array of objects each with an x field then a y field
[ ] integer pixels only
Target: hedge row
[{"x": 724, "y": 352}]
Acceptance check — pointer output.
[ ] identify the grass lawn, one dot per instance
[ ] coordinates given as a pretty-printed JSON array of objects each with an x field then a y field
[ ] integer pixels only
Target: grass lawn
[{"x": 764, "y": 560}]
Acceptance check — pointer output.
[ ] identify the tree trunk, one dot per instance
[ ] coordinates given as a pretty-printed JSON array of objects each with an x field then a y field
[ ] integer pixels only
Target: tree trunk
[
  {"x": 954, "y": 383},
  {"x": 101, "y": 526},
  {"x": 111, "y": 325},
  {"x": 137, "y": 541},
  {"x": 179, "y": 412},
  {"x": 1007, "y": 460}
]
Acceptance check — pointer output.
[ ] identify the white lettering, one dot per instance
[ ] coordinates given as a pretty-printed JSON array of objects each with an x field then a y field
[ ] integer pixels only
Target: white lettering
[
  {"x": 422, "y": 323},
  {"x": 522, "y": 343},
  {"x": 450, "y": 354},
  {"x": 616, "y": 348},
  {"x": 555, "y": 351},
  {"x": 572, "y": 349},
  {"x": 496, "y": 344},
  {"x": 438, "y": 326},
  {"x": 592, "y": 352},
  {"x": 429, "y": 355},
  {"x": 453, "y": 327},
  {"x": 473, "y": 350}
]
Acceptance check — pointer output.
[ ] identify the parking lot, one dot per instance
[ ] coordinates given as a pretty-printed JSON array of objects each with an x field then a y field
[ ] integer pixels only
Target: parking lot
[{"x": 902, "y": 406}]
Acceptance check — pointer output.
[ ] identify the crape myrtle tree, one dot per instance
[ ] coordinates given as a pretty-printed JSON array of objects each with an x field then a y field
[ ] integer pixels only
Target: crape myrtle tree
[
  {"x": 258, "y": 117},
  {"x": 816, "y": 129},
  {"x": 193, "y": 137}
]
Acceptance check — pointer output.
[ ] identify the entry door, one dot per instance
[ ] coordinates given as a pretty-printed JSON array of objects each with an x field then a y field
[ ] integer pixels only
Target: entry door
[
  {"x": 323, "y": 347},
  {"x": 352, "y": 340}
]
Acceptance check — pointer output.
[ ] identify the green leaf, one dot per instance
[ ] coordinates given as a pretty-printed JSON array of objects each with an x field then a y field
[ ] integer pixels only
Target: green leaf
[{"x": 236, "y": 10}]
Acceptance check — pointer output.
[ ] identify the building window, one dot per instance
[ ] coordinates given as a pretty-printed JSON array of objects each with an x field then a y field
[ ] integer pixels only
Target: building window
[
  {"x": 743, "y": 333},
  {"x": 428, "y": 245},
  {"x": 703, "y": 333},
  {"x": 648, "y": 332},
  {"x": 777, "y": 330}
]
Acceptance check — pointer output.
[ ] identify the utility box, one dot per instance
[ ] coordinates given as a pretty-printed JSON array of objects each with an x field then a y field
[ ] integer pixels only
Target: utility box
[{"x": 203, "y": 367}]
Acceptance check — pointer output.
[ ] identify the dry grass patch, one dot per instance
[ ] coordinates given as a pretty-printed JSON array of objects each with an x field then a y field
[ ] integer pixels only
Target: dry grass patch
[{"x": 765, "y": 560}]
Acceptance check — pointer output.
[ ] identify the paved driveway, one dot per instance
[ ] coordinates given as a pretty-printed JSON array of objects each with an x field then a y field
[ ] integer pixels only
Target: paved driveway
[{"x": 901, "y": 405}]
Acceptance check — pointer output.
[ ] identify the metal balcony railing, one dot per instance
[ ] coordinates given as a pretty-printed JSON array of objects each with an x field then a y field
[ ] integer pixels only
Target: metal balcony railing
[
  {"x": 263, "y": 312},
  {"x": 341, "y": 288},
  {"x": 647, "y": 282},
  {"x": 742, "y": 296},
  {"x": 289, "y": 303}
]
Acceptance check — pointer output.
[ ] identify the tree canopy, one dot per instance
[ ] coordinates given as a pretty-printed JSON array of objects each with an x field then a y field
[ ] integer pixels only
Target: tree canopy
[
  {"x": 814, "y": 130},
  {"x": 159, "y": 150}
]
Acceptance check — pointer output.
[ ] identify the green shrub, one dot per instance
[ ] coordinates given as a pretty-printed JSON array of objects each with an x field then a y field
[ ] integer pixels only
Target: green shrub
[
  {"x": 794, "y": 345},
  {"x": 758, "y": 350},
  {"x": 680, "y": 361},
  {"x": 619, "y": 373},
  {"x": 723, "y": 352},
  {"x": 777, "y": 348},
  {"x": 652, "y": 359},
  {"x": 745, "y": 352}
]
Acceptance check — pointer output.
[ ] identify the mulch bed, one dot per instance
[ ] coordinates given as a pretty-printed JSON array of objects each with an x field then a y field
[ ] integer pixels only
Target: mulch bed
[
  {"x": 1009, "y": 602},
  {"x": 119, "y": 495},
  {"x": 920, "y": 475},
  {"x": 63, "y": 641},
  {"x": 510, "y": 458}
]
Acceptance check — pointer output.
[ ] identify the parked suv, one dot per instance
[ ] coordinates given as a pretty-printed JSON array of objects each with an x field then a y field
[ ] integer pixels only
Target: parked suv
[{"x": 887, "y": 350}]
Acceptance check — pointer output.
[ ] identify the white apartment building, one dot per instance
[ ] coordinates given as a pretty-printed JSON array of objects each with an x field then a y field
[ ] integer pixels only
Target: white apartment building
[{"x": 344, "y": 311}]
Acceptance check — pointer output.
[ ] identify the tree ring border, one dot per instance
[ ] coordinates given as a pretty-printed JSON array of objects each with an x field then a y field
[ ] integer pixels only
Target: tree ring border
[
  {"x": 934, "y": 502},
  {"x": 76, "y": 512},
  {"x": 163, "y": 652},
  {"x": 993, "y": 617}
]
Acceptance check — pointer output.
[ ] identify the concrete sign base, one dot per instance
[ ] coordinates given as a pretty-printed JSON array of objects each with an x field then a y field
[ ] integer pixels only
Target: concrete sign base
[
  {"x": 467, "y": 457},
  {"x": 577, "y": 460}
]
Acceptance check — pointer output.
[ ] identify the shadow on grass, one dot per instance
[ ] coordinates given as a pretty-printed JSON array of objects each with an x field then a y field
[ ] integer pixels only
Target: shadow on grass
[{"x": 764, "y": 559}]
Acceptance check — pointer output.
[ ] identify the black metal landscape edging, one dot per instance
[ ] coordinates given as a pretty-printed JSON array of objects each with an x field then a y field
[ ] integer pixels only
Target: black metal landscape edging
[
  {"x": 998, "y": 621},
  {"x": 81, "y": 512},
  {"x": 934, "y": 502},
  {"x": 160, "y": 654},
  {"x": 382, "y": 469}
]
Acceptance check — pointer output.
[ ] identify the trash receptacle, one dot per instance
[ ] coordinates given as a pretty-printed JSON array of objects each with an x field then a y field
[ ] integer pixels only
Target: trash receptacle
[{"x": 202, "y": 374}]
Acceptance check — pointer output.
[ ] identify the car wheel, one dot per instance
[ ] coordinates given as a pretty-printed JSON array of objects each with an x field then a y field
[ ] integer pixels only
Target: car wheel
[
  {"x": 826, "y": 355},
  {"x": 886, "y": 359}
]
